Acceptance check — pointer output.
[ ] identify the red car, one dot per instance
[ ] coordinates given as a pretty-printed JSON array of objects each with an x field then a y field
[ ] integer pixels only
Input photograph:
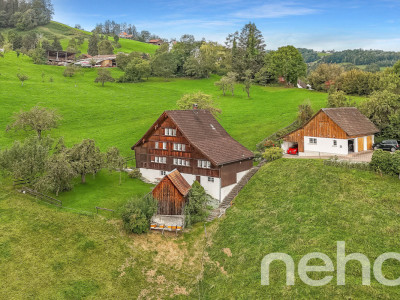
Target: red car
[{"x": 293, "y": 150}]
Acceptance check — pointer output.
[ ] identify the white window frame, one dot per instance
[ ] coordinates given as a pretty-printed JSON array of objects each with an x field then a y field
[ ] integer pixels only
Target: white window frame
[
  {"x": 181, "y": 162},
  {"x": 163, "y": 173},
  {"x": 204, "y": 164},
  {"x": 160, "y": 160},
  {"x": 164, "y": 146},
  {"x": 312, "y": 141},
  {"x": 334, "y": 143},
  {"x": 169, "y": 131},
  {"x": 156, "y": 145}
]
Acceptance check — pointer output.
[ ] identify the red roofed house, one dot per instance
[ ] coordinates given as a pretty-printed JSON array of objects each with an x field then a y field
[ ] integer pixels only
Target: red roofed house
[
  {"x": 333, "y": 131},
  {"x": 157, "y": 42},
  {"x": 194, "y": 143}
]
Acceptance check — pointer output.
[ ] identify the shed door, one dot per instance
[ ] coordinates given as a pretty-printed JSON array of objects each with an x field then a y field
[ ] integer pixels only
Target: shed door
[
  {"x": 360, "y": 144},
  {"x": 369, "y": 142}
]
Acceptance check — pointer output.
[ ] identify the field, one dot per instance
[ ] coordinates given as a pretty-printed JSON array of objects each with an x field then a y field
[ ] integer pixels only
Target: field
[
  {"x": 290, "y": 206},
  {"x": 298, "y": 207},
  {"x": 65, "y": 33},
  {"x": 119, "y": 114}
]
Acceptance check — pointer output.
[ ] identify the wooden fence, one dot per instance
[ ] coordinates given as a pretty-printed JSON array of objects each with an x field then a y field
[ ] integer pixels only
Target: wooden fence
[{"x": 41, "y": 196}]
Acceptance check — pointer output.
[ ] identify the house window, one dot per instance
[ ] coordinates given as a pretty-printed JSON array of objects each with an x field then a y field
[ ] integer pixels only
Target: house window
[
  {"x": 170, "y": 131},
  {"x": 159, "y": 159},
  {"x": 179, "y": 147},
  {"x": 210, "y": 179},
  {"x": 156, "y": 145},
  {"x": 163, "y": 173},
  {"x": 164, "y": 146},
  {"x": 312, "y": 141},
  {"x": 204, "y": 164},
  {"x": 334, "y": 143},
  {"x": 181, "y": 162}
]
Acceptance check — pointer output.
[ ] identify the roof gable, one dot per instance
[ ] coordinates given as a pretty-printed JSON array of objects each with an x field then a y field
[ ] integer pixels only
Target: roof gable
[
  {"x": 349, "y": 119},
  {"x": 179, "y": 182},
  {"x": 204, "y": 133}
]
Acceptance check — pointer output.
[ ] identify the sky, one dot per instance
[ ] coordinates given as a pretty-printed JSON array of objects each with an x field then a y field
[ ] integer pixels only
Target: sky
[{"x": 318, "y": 25}]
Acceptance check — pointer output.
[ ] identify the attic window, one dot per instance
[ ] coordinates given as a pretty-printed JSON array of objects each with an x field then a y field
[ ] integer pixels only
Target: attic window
[
  {"x": 212, "y": 126},
  {"x": 170, "y": 132}
]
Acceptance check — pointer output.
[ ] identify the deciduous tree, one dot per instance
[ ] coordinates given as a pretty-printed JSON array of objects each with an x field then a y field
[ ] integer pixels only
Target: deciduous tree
[
  {"x": 103, "y": 76},
  {"x": 203, "y": 101},
  {"x": 114, "y": 161},
  {"x": 86, "y": 158},
  {"x": 37, "y": 119}
]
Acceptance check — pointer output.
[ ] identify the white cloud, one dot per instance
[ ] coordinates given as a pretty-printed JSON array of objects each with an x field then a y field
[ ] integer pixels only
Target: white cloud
[{"x": 277, "y": 10}]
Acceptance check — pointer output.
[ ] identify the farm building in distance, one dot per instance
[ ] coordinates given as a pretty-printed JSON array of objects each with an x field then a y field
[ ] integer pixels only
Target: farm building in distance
[
  {"x": 156, "y": 42},
  {"x": 194, "y": 143},
  {"x": 124, "y": 35},
  {"x": 105, "y": 61},
  {"x": 337, "y": 131},
  {"x": 60, "y": 58}
]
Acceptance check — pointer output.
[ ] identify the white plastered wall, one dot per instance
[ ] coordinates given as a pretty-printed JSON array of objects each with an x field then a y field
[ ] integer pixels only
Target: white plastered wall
[{"x": 325, "y": 145}]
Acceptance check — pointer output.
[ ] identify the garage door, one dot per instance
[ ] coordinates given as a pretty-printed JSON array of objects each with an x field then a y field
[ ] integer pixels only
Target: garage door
[{"x": 360, "y": 144}]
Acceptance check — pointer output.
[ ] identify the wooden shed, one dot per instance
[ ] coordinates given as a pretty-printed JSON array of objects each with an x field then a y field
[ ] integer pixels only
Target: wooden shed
[{"x": 171, "y": 193}]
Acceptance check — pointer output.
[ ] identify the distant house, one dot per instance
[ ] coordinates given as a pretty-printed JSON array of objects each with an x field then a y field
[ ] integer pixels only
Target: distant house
[
  {"x": 171, "y": 193},
  {"x": 60, "y": 58},
  {"x": 333, "y": 131},
  {"x": 157, "y": 42},
  {"x": 194, "y": 143},
  {"x": 124, "y": 35}
]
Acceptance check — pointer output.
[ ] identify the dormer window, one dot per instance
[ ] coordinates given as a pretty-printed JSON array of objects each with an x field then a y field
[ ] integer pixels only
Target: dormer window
[
  {"x": 204, "y": 164},
  {"x": 169, "y": 131}
]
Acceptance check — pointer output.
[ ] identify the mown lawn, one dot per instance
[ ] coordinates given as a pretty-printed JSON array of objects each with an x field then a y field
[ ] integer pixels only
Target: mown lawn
[
  {"x": 298, "y": 207},
  {"x": 104, "y": 191},
  {"x": 119, "y": 114}
]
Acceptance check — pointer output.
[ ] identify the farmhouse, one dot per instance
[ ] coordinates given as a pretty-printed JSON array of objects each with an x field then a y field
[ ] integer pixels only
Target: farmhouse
[
  {"x": 337, "y": 131},
  {"x": 171, "y": 193},
  {"x": 157, "y": 42},
  {"x": 194, "y": 143},
  {"x": 105, "y": 61}
]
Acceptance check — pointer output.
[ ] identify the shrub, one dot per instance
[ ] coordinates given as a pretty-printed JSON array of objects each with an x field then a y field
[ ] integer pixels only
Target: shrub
[
  {"x": 69, "y": 71},
  {"x": 270, "y": 143},
  {"x": 272, "y": 153},
  {"x": 137, "y": 213},
  {"x": 347, "y": 164},
  {"x": 386, "y": 162},
  {"x": 196, "y": 207},
  {"x": 135, "y": 173}
]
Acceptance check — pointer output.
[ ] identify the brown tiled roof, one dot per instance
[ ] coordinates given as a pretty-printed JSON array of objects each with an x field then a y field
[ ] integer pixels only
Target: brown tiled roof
[
  {"x": 351, "y": 120},
  {"x": 204, "y": 132},
  {"x": 179, "y": 182}
]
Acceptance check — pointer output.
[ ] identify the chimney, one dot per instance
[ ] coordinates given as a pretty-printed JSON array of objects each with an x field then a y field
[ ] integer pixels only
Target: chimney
[{"x": 195, "y": 105}]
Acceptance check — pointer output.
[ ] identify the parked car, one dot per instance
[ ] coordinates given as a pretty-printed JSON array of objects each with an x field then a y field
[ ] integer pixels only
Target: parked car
[
  {"x": 388, "y": 145},
  {"x": 293, "y": 150}
]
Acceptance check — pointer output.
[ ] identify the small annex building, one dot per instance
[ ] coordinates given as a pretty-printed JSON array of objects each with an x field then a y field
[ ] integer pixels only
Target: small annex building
[
  {"x": 171, "y": 193},
  {"x": 338, "y": 131}
]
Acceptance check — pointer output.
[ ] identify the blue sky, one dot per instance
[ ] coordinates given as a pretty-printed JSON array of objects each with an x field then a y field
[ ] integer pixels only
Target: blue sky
[{"x": 311, "y": 24}]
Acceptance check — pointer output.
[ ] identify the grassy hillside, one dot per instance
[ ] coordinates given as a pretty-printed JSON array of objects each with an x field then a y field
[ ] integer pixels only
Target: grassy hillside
[
  {"x": 119, "y": 114},
  {"x": 298, "y": 207},
  {"x": 290, "y": 206},
  {"x": 54, "y": 254},
  {"x": 65, "y": 33}
]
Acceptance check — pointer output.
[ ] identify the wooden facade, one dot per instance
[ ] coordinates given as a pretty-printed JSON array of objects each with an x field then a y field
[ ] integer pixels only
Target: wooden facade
[
  {"x": 323, "y": 126},
  {"x": 171, "y": 198},
  {"x": 147, "y": 150}
]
